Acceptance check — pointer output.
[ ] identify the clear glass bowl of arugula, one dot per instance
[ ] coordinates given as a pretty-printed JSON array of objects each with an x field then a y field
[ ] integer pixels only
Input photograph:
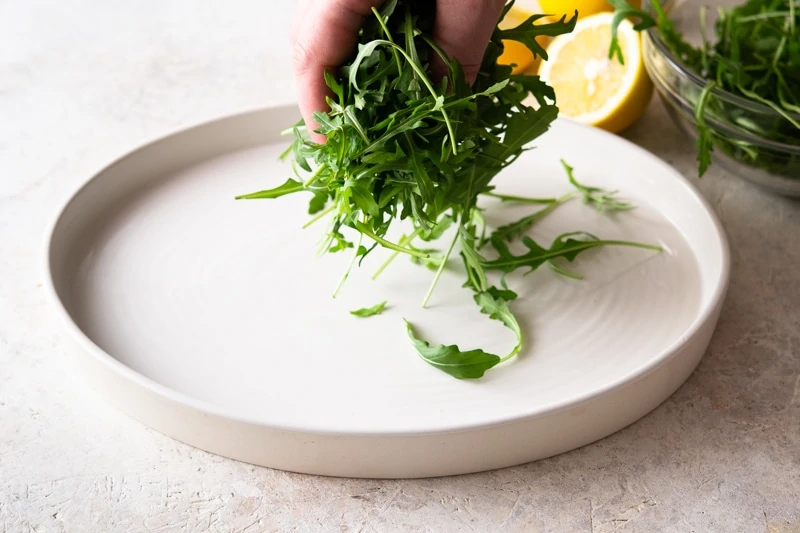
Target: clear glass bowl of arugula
[{"x": 729, "y": 74}]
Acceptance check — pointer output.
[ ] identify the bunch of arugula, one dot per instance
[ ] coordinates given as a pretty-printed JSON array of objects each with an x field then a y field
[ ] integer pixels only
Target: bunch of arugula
[
  {"x": 755, "y": 55},
  {"x": 403, "y": 148}
]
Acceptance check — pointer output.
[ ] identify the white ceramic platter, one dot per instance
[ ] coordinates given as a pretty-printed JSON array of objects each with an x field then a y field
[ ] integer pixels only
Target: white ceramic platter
[{"x": 211, "y": 319}]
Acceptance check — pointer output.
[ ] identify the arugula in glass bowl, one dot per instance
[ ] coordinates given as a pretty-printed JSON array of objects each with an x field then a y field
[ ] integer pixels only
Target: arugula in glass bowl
[{"x": 729, "y": 72}]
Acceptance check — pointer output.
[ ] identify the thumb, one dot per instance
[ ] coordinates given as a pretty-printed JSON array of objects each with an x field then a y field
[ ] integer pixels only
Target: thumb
[
  {"x": 324, "y": 33},
  {"x": 463, "y": 29}
]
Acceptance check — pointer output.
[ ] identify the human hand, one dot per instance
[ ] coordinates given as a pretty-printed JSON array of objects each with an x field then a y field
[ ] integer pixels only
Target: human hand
[{"x": 324, "y": 33}]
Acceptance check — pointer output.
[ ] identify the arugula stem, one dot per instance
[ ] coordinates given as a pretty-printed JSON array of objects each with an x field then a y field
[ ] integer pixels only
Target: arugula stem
[
  {"x": 388, "y": 244},
  {"x": 513, "y": 352},
  {"x": 389, "y": 37},
  {"x": 286, "y": 152},
  {"x": 511, "y": 198},
  {"x": 439, "y": 270},
  {"x": 314, "y": 175},
  {"x": 349, "y": 267},
  {"x": 406, "y": 240},
  {"x": 779, "y": 52},
  {"x": 290, "y": 131},
  {"x": 566, "y": 273},
  {"x": 552, "y": 207},
  {"x": 430, "y": 88},
  {"x": 631, "y": 244},
  {"x": 761, "y": 16},
  {"x": 704, "y": 136},
  {"x": 320, "y": 215},
  {"x": 476, "y": 213},
  {"x": 508, "y": 231}
]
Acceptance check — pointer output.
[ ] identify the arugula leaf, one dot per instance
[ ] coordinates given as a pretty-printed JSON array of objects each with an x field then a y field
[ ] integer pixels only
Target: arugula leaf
[
  {"x": 522, "y": 33},
  {"x": 705, "y": 138},
  {"x": 472, "y": 364},
  {"x": 473, "y": 262},
  {"x": 338, "y": 242},
  {"x": 431, "y": 263},
  {"x": 599, "y": 198},
  {"x": 622, "y": 11},
  {"x": 289, "y": 186},
  {"x": 370, "y": 311},
  {"x": 493, "y": 303},
  {"x": 318, "y": 202},
  {"x": 502, "y": 294},
  {"x": 516, "y": 229},
  {"x": 567, "y": 246},
  {"x": 442, "y": 225}
]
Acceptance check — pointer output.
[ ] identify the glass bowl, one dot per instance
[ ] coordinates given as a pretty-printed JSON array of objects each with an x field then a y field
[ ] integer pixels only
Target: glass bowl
[{"x": 736, "y": 123}]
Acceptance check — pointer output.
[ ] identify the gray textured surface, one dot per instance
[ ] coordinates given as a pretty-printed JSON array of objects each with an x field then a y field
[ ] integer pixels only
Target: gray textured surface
[{"x": 82, "y": 82}]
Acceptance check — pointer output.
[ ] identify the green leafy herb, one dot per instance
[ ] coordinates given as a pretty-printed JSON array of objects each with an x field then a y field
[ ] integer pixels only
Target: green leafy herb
[
  {"x": 600, "y": 199},
  {"x": 474, "y": 363},
  {"x": 432, "y": 262},
  {"x": 288, "y": 187},
  {"x": 511, "y": 231},
  {"x": 755, "y": 55},
  {"x": 370, "y": 311},
  {"x": 493, "y": 303},
  {"x": 450, "y": 359},
  {"x": 405, "y": 148},
  {"x": 567, "y": 246}
]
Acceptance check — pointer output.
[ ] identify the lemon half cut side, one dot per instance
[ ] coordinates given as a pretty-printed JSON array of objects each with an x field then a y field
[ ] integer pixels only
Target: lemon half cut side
[{"x": 592, "y": 88}]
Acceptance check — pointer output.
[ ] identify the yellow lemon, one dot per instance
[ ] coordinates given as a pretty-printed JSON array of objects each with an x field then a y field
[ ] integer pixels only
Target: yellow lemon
[
  {"x": 590, "y": 87},
  {"x": 585, "y": 8},
  {"x": 516, "y": 53}
]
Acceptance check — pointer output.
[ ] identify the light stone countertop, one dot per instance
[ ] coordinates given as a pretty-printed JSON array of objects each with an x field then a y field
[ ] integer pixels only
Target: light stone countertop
[{"x": 82, "y": 82}]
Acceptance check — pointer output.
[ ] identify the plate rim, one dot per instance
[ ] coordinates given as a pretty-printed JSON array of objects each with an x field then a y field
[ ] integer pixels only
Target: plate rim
[{"x": 151, "y": 386}]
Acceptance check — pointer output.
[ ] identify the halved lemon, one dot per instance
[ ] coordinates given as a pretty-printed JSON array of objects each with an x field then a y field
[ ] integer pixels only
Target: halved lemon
[{"x": 592, "y": 88}]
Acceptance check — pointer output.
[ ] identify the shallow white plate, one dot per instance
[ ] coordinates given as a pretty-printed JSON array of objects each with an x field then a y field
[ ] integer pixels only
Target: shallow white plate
[{"x": 211, "y": 320}]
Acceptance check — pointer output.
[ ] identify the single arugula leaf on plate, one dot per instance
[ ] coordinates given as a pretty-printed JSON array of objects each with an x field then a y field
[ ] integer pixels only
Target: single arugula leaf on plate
[
  {"x": 599, "y": 198},
  {"x": 450, "y": 359},
  {"x": 473, "y": 363},
  {"x": 365, "y": 312},
  {"x": 567, "y": 246}
]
